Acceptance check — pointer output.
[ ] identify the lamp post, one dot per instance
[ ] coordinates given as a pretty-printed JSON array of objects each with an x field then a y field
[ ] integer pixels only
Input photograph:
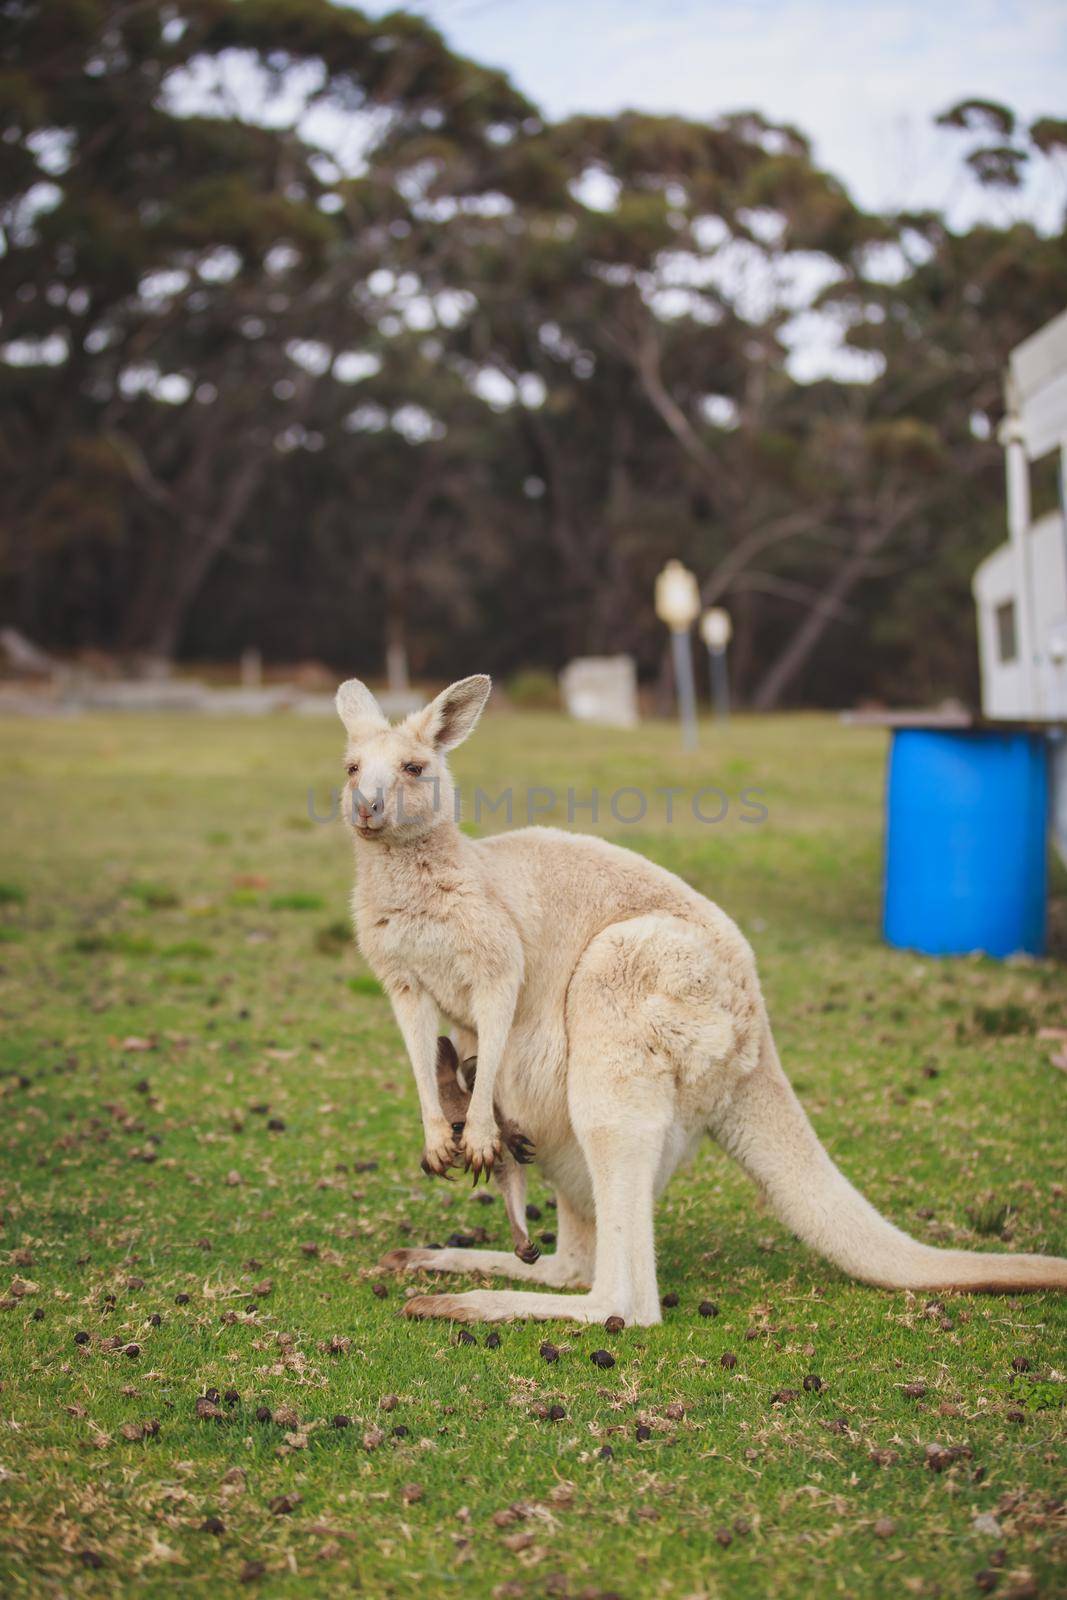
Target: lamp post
[
  {"x": 716, "y": 630},
  {"x": 678, "y": 604}
]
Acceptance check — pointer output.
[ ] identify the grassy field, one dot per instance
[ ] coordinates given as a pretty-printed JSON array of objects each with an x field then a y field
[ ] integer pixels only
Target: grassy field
[{"x": 210, "y": 1135}]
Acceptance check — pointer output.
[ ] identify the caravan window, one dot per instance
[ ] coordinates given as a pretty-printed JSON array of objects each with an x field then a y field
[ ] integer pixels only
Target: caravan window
[{"x": 1007, "y": 644}]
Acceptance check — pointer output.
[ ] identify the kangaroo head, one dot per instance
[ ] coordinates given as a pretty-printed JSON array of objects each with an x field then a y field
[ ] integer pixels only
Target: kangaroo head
[{"x": 398, "y": 784}]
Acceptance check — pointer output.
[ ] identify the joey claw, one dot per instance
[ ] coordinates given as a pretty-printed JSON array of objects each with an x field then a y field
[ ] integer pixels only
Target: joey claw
[{"x": 522, "y": 1149}]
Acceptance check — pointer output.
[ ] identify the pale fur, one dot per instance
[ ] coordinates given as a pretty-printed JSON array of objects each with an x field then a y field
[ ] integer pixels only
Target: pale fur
[{"x": 618, "y": 1017}]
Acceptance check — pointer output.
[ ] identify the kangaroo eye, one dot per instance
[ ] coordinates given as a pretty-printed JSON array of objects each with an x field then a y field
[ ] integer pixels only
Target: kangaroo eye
[
  {"x": 414, "y": 768},
  {"x": 352, "y": 768}
]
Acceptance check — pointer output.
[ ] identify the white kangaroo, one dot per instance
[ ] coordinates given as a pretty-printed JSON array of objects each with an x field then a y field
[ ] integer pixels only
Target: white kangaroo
[{"x": 617, "y": 1017}]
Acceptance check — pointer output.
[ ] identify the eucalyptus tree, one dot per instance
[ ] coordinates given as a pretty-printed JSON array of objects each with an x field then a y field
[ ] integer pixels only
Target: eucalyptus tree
[{"x": 193, "y": 197}]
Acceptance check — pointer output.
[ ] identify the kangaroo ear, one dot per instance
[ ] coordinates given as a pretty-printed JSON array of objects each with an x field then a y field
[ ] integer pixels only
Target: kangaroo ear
[
  {"x": 355, "y": 704},
  {"x": 449, "y": 719},
  {"x": 446, "y": 1054}
]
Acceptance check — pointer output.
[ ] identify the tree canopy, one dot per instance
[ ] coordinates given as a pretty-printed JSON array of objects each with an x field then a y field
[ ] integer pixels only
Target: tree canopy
[{"x": 320, "y": 338}]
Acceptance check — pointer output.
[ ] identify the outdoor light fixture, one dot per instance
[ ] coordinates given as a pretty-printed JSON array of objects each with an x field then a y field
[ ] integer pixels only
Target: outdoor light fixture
[
  {"x": 716, "y": 630},
  {"x": 678, "y": 605}
]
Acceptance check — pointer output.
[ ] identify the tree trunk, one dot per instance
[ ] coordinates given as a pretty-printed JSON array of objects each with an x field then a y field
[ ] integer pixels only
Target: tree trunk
[
  {"x": 161, "y": 609},
  {"x": 827, "y": 606},
  {"x": 396, "y": 648}
]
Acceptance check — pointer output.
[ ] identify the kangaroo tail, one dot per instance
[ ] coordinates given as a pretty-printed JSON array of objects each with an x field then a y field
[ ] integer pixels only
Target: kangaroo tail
[{"x": 766, "y": 1129}]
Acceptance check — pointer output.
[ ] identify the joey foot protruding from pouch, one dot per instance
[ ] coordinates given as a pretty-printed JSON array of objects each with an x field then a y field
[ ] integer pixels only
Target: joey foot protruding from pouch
[{"x": 509, "y": 1153}]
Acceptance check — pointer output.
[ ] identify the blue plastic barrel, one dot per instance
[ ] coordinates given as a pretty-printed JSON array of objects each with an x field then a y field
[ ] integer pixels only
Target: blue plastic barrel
[{"x": 966, "y": 855}]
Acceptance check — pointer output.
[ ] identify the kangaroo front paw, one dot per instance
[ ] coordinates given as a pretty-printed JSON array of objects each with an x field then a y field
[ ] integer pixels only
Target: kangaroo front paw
[
  {"x": 440, "y": 1152},
  {"x": 480, "y": 1154}
]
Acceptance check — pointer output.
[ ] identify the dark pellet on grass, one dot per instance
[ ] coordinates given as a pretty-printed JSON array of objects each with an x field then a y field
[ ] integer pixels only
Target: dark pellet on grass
[
  {"x": 484, "y": 1199},
  {"x": 181, "y": 1299},
  {"x": 213, "y": 1525},
  {"x": 275, "y": 1124},
  {"x": 708, "y": 1308},
  {"x": 283, "y": 1505},
  {"x": 231, "y": 1397},
  {"x": 38, "y": 1314},
  {"x": 615, "y": 1324},
  {"x": 340, "y": 1420},
  {"x": 460, "y": 1241},
  {"x": 728, "y": 1360},
  {"x": 265, "y": 1414},
  {"x": 606, "y": 1453},
  {"x": 812, "y": 1383},
  {"x": 81, "y": 1338},
  {"x": 464, "y": 1336},
  {"x": 133, "y": 1351},
  {"x": 724, "y": 1537},
  {"x": 400, "y": 1431},
  {"x": 533, "y": 1213},
  {"x": 602, "y": 1358},
  {"x": 556, "y": 1413},
  {"x": 379, "y": 1291},
  {"x": 643, "y": 1431},
  {"x": 669, "y": 1300},
  {"x": 547, "y": 1238},
  {"x": 986, "y": 1580},
  {"x": 548, "y": 1352},
  {"x": 91, "y": 1558},
  {"x": 492, "y": 1341},
  {"x": 155, "y": 1320},
  {"x": 1020, "y": 1364}
]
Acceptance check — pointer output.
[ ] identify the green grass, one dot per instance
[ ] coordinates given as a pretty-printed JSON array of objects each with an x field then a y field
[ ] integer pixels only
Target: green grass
[{"x": 204, "y": 1096}]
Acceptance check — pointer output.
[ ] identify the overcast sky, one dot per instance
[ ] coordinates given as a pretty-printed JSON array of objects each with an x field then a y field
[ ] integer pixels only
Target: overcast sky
[{"x": 861, "y": 77}]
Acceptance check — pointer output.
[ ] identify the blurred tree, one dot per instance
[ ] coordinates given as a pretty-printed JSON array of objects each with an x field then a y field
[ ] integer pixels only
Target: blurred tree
[
  {"x": 177, "y": 274},
  {"x": 317, "y": 337}
]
